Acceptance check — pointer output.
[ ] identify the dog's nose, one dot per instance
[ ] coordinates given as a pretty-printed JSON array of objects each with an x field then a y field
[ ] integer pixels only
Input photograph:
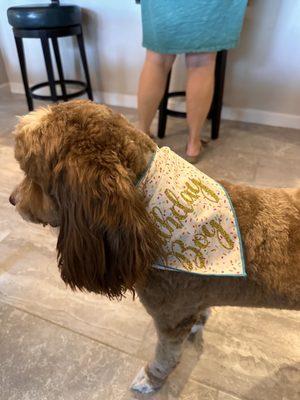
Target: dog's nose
[{"x": 12, "y": 200}]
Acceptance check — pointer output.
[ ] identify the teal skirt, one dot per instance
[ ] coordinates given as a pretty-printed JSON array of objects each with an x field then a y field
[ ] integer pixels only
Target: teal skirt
[{"x": 191, "y": 26}]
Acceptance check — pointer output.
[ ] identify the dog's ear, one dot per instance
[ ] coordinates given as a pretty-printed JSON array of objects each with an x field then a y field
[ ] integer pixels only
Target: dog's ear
[{"x": 107, "y": 240}]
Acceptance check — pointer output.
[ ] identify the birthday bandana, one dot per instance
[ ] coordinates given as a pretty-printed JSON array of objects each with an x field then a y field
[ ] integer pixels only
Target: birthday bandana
[{"x": 195, "y": 217}]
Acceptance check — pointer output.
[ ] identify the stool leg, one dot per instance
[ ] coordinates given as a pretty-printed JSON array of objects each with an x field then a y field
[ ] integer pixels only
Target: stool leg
[
  {"x": 162, "y": 114},
  {"x": 85, "y": 65},
  {"x": 59, "y": 68},
  {"x": 20, "y": 50},
  {"x": 218, "y": 93},
  {"x": 49, "y": 68}
]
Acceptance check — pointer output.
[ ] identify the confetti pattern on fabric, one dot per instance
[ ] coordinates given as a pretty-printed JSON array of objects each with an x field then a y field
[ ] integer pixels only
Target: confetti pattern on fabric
[{"x": 195, "y": 217}]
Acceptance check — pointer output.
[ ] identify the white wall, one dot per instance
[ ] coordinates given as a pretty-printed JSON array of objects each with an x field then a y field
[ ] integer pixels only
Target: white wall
[
  {"x": 3, "y": 74},
  {"x": 263, "y": 74}
]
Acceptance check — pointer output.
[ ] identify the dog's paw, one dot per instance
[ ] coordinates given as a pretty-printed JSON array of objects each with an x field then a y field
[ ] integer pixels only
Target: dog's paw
[{"x": 142, "y": 384}]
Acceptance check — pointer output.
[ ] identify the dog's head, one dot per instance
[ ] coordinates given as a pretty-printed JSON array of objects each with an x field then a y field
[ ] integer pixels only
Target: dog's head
[{"x": 81, "y": 161}]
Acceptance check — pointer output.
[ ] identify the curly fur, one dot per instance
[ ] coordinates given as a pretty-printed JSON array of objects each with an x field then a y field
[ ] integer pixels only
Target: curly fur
[
  {"x": 81, "y": 161},
  {"x": 76, "y": 153}
]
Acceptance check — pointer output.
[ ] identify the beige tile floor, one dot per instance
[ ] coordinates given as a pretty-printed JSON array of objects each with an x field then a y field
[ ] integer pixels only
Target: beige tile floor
[{"x": 55, "y": 344}]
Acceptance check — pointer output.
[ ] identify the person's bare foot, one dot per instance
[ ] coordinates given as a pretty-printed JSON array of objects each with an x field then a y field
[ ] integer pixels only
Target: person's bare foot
[
  {"x": 193, "y": 148},
  {"x": 149, "y": 134}
]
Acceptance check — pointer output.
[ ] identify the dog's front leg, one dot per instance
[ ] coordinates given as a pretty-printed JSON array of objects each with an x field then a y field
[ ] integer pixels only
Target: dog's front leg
[{"x": 171, "y": 337}]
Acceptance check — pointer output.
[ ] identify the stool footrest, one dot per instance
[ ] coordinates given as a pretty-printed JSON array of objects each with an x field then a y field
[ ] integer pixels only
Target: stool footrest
[
  {"x": 175, "y": 94},
  {"x": 59, "y": 97},
  {"x": 173, "y": 113}
]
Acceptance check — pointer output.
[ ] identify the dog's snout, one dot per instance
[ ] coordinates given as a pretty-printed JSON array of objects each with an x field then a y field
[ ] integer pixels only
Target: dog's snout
[{"x": 12, "y": 200}]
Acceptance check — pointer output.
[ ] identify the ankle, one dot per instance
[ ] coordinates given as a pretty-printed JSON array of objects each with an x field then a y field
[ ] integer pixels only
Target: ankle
[
  {"x": 142, "y": 128},
  {"x": 194, "y": 138},
  {"x": 193, "y": 147},
  {"x": 157, "y": 373}
]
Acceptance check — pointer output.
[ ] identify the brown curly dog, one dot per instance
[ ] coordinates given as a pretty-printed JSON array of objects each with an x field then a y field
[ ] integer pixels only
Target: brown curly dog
[{"x": 81, "y": 162}]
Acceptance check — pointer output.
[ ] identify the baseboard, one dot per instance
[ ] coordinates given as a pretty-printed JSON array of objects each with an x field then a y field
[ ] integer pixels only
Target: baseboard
[
  {"x": 231, "y": 113},
  {"x": 113, "y": 99},
  {"x": 3, "y": 85},
  {"x": 16, "y": 87},
  {"x": 116, "y": 99},
  {"x": 261, "y": 117}
]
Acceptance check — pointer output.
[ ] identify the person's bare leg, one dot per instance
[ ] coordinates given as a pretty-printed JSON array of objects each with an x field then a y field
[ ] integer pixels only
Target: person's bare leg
[
  {"x": 199, "y": 93},
  {"x": 152, "y": 86}
]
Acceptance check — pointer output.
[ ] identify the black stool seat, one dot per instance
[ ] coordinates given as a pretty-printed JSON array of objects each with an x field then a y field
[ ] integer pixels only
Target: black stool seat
[{"x": 43, "y": 16}]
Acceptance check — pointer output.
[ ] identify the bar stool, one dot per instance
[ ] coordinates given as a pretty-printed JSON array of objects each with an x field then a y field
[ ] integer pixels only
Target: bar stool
[
  {"x": 44, "y": 22},
  {"x": 216, "y": 106}
]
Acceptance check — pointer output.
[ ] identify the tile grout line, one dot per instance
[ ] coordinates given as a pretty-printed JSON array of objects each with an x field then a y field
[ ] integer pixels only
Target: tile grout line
[
  {"x": 218, "y": 390},
  {"x": 191, "y": 379},
  {"x": 71, "y": 330},
  {"x": 257, "y": 164}
]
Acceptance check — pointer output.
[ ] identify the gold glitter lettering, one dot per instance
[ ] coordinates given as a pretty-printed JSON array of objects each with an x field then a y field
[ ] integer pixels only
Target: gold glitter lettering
[
  {"x": 221, "y": 235},
  {"x": 201, "y": 241},
  {"x": 206, "y": 232},
  {"x": 161, "y": 222},
  {"x": 185, "y": 210},
  {"x": 193, "y": 189},
  {"x": 206, "y": 191},
  {"x": 186, "y": 262},
  {"x": 188, "y": 196}
]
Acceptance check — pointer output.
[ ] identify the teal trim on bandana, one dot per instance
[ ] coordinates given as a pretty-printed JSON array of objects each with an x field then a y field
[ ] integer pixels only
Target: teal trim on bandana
[
  {"x": 144, "y": 173},
  {"x": 238, "y": 232},
  {"x": 166, "y": 268}
]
